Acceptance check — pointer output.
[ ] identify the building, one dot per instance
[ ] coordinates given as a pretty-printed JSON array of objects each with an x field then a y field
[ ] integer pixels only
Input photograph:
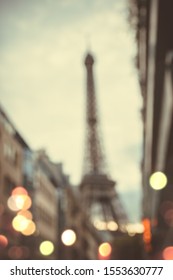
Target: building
[
  {"x": 21, "y": 166},
  {"x": 85, "y": 246},
  {"x": 48, "y": 180},
  {"x": 55, "y": 203},
  {"x": 153, "y": 21},
  {"x": 13, "y": 149}
]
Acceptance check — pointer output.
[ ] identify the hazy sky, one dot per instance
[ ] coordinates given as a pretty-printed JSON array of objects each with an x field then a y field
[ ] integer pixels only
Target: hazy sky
[{"x": 42, "y": 80}]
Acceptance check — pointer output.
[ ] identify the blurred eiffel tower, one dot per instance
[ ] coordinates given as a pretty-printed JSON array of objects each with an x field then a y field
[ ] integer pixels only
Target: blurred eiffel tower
[{"x": 98, "y": 195}]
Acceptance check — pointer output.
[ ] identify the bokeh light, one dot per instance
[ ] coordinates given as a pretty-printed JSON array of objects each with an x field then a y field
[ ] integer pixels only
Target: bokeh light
[
  {"x": 20, "y": 223},
  {"x": 111, "y": 225},
  {"x": 19, "y": 191},
  {"x": 168, "y": 253},
  {"x": 3, "y": 241},
  {"x": 104, "y": 250},
  {"x": 16, "y": 252},
  {"x": 27, "y": 214},
  {"x": 30, "y": 229},
  {"x": 133, "y": 228},
  {"x": 11, "y": 202},
  {"x": 158, "y": 180},
  {"x": 68, "y": 237},
  {"x": 23, "y": 202},
  {"x": 19, "y": 202},
  {"x": 169, "y": 217},
  {"x": 100, "y": 225},
  {"x": 147, "y": 230},
  {"x": 46, "y": 248},
  {"x": 166, "y": 211}
]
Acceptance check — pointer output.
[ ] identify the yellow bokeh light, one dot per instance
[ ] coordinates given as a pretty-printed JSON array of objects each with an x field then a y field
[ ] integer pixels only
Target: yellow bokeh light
[
  {"x": 19, "y": 202},
  {"x": 100, "y": 225},
  {"x": 111, "y": 225},
  {"x": 23, "y": 202},
  {"x": 20, "y": 223},
  {"x": 105, "y": 249},
  {"x": 158, "y": 180},
  {"x": 30, "y": 229},
  {"x": 68, "y": 237},
  {"x": 46, "y": 248}
]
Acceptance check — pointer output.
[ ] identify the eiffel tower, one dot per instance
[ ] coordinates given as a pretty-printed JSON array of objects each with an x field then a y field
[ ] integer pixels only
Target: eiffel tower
[{"x": 98, "y": 195}]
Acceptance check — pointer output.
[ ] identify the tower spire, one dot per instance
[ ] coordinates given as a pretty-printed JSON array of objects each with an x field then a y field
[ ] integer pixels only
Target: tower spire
[{"x": 94, "y": 162}]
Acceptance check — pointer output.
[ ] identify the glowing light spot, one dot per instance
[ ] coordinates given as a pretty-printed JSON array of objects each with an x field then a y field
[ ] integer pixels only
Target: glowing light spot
[
  {"x": 11, "y": 202},
  {"x": 46, "y": 248},
  {"x": 19, "y": 191},
  {"x": 68, "y": 237},
  {"x": 20, "y": 223},
  {"x": 30, "y": 229},
  {"x": 100, "y": 225},
  {"x": 147, "y": 231},
  {"x": 3, "y": 241},
  {"x": 158, "y": 180},
  {"x": 169, "y": 217},
  {"x": 168, "y": 253},
  {"x": 135, "y": 228},
  {"x": 104, "y": 250},
  {"x": 19, "y": 202},
  {"x": 23, "y": 202},
  {"x": 112, "y": 226},
  {"x": 27, "y": 214},
  {"x": 166, "y": 210}
]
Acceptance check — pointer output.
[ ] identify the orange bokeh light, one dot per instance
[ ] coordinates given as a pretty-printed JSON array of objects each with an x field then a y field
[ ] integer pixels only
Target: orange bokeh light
[
  {"x": 168, "y": 253},
  {"x": 25, "y": 213},
  {"x": 30, "y": 229},
  {"x": 20, "y": 223},
  {"x": 19, "y": 191},
  {"x": 3, "y": 241},
  {"x": 104, "y": 250},
  {"x": 19, "y": 202},
  {"x": 147, "y": 230},
  {"x": 23, "y": 202}
]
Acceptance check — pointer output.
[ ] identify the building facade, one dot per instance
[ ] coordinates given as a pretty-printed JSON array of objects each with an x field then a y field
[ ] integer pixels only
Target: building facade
[
  {"x": 55, "y": 204},
  {"x": 12, "y": 153},
  {"x": 21, "y": 166},
  {"x": 153, "y": 20},
  {"x": 48, "y": 180}
]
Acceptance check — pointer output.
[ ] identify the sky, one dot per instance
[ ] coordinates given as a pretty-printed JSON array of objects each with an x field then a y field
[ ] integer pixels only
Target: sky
[{"x": 43, "y": 81}]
